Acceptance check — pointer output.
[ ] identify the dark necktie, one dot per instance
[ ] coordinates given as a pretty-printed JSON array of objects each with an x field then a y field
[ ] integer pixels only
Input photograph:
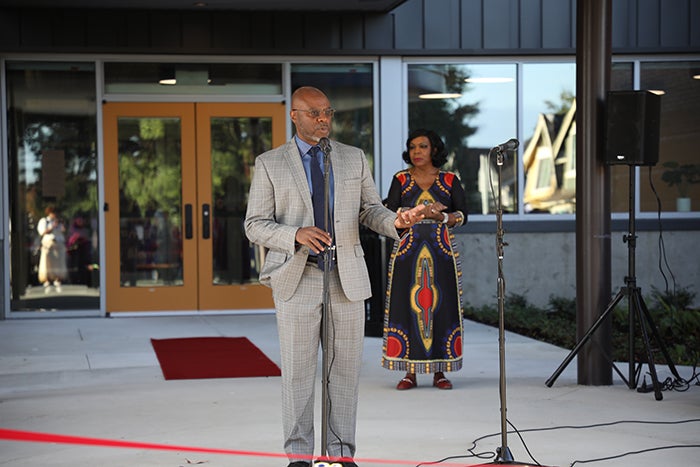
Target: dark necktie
[{"x": 318, "y": 187}]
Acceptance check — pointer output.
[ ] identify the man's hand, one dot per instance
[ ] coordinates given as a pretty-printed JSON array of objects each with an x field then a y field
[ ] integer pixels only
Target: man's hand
[
  {"x": 314, "y": 238},
  {"x": 406, "y": 218}
]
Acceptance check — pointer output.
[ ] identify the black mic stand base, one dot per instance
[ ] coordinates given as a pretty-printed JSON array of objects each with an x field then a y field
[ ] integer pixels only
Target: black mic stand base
[
  {"x": 504, "y": 456},
  {"x": 507, "y": 459},
  {"x": 638, "y": 316}
]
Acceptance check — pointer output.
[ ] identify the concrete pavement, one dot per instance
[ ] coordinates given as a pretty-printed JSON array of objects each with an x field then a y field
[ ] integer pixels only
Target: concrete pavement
[{"x": 99, "y": 378}]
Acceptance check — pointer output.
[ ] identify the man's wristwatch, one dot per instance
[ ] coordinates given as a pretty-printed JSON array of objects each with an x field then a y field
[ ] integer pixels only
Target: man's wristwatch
[{"x": 445, "y": 218}]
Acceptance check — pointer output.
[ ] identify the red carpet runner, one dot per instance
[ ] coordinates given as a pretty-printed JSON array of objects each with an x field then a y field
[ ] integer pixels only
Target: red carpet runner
[{"x": 212, "y": 357}]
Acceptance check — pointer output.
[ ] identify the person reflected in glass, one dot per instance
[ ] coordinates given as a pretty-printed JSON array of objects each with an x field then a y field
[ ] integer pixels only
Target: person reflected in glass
[
  {"x": 423, "y": 313},
  {"x": 52, "y": 262},
  {"x": 79, "y": 250}
]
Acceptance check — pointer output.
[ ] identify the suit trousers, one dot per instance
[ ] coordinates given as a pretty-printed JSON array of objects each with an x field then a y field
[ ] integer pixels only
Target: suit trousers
[{"x": 299, "y": 326}]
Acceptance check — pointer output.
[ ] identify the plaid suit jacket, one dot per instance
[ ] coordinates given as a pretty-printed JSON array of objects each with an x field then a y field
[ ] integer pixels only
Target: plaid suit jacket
[{"x": 279, "y": 203}]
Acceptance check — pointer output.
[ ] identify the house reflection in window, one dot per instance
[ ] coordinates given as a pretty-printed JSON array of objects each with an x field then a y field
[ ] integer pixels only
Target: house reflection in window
[{"x": 549, "y": 162}]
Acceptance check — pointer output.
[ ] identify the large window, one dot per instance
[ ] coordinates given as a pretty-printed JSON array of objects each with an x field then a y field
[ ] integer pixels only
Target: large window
[
  {"x": 219, "y": 79},
  {"x": 549, "y": 136},
  {"x": 349, "y": 88},
  {"x": 477, "y": 106},
  {"x": 471, "y": 108},
  {"x": 53, "y": 186},
  {"x": 676, "y": 177}
]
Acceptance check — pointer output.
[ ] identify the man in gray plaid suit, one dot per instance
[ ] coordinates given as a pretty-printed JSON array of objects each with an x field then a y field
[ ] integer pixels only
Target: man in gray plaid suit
[{"x": 280, "y": 217}]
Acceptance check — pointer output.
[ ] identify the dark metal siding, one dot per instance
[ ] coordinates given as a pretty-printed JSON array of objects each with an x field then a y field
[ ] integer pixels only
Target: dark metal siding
[
  {"x": 409, "y": 26},
  {"x": 500, "y": 25},
  {"x": 472, "y": 17},
  {"x": 530, "y": 24},
  {"x": 441, "y": 23},
  {"x": 417, "y": 27},
  {"x": 558, "y": 22}
]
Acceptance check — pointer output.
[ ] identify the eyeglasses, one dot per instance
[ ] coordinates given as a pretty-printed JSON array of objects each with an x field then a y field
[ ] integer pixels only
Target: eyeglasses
[{"x": 317, "y": 113}]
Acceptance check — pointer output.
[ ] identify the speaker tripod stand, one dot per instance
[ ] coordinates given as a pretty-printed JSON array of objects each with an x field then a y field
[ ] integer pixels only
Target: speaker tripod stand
[{"x": 637, "y": 312}]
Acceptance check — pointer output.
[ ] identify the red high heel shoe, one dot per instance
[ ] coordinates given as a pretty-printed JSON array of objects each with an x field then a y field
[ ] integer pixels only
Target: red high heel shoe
[
  {"x": 408, "y": 382},
  {"x": 440, "y": 382}
]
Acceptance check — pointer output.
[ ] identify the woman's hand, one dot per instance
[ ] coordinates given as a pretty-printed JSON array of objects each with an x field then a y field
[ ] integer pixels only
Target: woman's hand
[{"x": 434, "y": 211}]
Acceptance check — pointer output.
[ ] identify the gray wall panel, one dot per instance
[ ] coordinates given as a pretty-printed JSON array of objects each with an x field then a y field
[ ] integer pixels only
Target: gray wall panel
[
  {"x": 322, "y": 32},
  {"x": 409, "y": 26},
  {"x": 498, "y": 14},
  {"x": 196, "y": 31},
  {"x": 261, "y": 33},
  {"x": 9, "y": 28},
  {"x": 441, "y": 24},
  {"x": 291, "y": 33},
  {"x": 531, "y": 24},
  {"x": 138, "y": 30},
  {"x": 352, "y": 28},
  {"x": 648, "y": 24},
  {"x": 36, "y": 30},
  {"x": 557, "y": 24},
  {"x": 417, "y": 27},
  {"x": 472, "y": 24},
  {"x": 166, "y": 30},
  {"x": 672, "y": 15},
  {"x": 105, "y": 29},
  {"x": 623, "y": 17},
  {"x": 228, "y": 30},
  {"x": 71, "y": 25},
  {"x": 379, "y": 32},
  {"x": 694, "y": 23}
]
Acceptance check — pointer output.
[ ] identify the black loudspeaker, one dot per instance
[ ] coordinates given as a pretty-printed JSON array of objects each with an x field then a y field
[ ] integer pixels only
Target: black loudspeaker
[{"x": 632, "y": 128}]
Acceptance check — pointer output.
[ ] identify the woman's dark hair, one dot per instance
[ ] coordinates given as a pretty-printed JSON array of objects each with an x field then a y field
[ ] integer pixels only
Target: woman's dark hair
[{"x": 439, "y": 155}]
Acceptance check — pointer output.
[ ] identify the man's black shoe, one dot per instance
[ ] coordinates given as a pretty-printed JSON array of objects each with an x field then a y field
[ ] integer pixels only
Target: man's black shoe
[{"x": 305, "y": 464}]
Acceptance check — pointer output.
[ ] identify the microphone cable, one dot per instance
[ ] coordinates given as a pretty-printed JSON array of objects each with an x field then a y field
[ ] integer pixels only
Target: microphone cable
[{"x": 491, "y": 454}]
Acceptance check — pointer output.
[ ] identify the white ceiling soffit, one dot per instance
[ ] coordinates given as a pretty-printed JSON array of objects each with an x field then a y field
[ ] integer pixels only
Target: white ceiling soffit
[{"x": 379, "y": 6}]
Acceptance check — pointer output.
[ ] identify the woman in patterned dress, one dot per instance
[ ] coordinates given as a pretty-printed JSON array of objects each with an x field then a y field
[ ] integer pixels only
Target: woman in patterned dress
[{"x": 423, "y": 312}]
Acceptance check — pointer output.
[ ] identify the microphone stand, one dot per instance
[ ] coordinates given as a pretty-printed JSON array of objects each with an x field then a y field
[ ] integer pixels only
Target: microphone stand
[
  {"x": 325, "y": 307},
  {"x": 503, "y": 454}
]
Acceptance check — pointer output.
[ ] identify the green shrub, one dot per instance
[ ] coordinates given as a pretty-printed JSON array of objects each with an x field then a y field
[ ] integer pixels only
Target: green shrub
[{"x": 675, "y": 322}]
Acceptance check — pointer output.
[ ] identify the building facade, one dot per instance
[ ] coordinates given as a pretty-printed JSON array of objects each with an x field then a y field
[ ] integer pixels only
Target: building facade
[{"x": 139, "y": 128}]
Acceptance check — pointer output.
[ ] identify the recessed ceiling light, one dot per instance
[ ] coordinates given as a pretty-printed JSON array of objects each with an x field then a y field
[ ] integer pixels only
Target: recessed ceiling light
[
  {"x": 488, "y": 80},
  {"x": 696, "y": 76},
  {"x": 168, "y": 82},
  {"x": 658, "y": 92},
  {"x": 440, "y": 95}
]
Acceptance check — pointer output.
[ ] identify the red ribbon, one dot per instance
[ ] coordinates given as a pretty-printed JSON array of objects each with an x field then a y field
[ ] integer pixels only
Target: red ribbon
[{"x": 36, "y": 437}]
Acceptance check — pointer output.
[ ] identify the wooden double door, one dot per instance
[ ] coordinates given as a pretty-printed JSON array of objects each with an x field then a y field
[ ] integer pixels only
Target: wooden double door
[{"x": 176, "y": 184}]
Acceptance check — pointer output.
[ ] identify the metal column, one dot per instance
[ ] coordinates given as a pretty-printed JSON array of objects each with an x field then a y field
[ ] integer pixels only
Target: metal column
[{"x": 593, "y": 289}]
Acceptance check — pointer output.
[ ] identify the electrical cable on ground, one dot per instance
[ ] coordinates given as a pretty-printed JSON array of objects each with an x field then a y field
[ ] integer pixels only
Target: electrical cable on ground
[
  {"x": 630, "y": 453},
  {"x": 491, "y": 454}
]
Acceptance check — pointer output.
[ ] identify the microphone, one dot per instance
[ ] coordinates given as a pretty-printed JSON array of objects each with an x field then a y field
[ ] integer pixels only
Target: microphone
[
  {"x": 510, "y": 145},
  {"x": 325, "y": 146}
]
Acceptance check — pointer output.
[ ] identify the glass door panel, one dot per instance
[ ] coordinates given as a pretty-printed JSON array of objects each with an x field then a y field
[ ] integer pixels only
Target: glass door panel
[
  {"x": 230, "y": 136},
  {"x": 150, "y": 196},
  {"x": 150, "y": 193},
  {"x": 176, "y": 187},
  {"x": 53, "y": 190}
]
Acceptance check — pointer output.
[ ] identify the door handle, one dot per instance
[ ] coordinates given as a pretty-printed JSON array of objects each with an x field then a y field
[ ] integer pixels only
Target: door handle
[
  {"x": 205, "y": 221},
  {"x": 188, "y": 221}
]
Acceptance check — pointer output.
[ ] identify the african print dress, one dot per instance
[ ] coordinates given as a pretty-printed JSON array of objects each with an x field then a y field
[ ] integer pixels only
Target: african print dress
[{"x": 423, "y": 312}]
